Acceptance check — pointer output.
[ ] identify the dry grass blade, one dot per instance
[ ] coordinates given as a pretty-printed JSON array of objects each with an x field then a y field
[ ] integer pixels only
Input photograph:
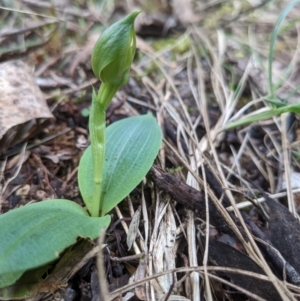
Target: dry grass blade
[
  {"x": 199, "y": 269},
  {"x": 287, "y": 164},
  {"x": 104, "y": 292}
]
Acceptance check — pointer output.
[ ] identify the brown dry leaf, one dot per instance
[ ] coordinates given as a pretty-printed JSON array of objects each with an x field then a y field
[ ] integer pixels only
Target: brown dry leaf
[{"x": 22, "y": 104}]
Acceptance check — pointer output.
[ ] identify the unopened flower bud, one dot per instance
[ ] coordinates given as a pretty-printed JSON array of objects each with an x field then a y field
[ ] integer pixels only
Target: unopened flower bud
[{"x": 114, "y": 51}]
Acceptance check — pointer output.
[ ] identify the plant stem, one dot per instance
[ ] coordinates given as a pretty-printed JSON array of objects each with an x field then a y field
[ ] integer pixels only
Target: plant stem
[
  {"x": 97, "y": 136},
  {"x": 106, "y": 94}
]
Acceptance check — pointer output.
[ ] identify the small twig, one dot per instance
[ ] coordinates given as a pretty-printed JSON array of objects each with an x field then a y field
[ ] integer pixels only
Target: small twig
[
  {"x": 191, "y": 199},
  {"x": 11, "y": 32},
  {"x": 127, "y": 258},
  {"x": 33, "y": 145}
]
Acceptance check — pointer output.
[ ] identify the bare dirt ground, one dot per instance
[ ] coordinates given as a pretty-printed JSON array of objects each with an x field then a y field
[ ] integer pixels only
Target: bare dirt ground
[{"x": 219, "y": 208}]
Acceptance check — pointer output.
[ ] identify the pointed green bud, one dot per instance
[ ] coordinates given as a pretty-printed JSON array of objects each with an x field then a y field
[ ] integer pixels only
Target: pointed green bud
[{"x": 114, "y": 51}]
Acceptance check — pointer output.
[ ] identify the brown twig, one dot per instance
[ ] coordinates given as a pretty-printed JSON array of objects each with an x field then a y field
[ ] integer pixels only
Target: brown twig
[{"x": 191, "y": 199}]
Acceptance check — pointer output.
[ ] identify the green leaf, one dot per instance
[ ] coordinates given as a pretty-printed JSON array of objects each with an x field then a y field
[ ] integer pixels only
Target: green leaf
[
  {"x": 296, "y": 154},
  {"x": 35, "y": 234},
  {"x": 253, "y": 118},
  {"x": 27, "y": 286},
  {"x": 32, "y": 281},
  {"x": 276, "y": 102},
  {"x": 132, "y": 145},
  {"x": 292, "y": 108}
]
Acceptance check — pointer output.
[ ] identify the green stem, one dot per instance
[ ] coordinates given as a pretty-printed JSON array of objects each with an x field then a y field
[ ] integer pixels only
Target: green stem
[
  {"x": 106, "y": 94},
  {"x": 97, "y": 136}
]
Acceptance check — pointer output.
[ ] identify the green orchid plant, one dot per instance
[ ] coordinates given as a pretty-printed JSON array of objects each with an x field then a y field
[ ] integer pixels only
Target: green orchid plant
[
  {"x": 111, "y": 60},
  {"x": 116, "y": 162}
]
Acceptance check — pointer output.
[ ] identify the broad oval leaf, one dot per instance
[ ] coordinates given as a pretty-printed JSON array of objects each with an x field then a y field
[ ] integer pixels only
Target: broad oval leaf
[
  {"x": 131, "y": 147},
  {"x": 35, "y": 234}
]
